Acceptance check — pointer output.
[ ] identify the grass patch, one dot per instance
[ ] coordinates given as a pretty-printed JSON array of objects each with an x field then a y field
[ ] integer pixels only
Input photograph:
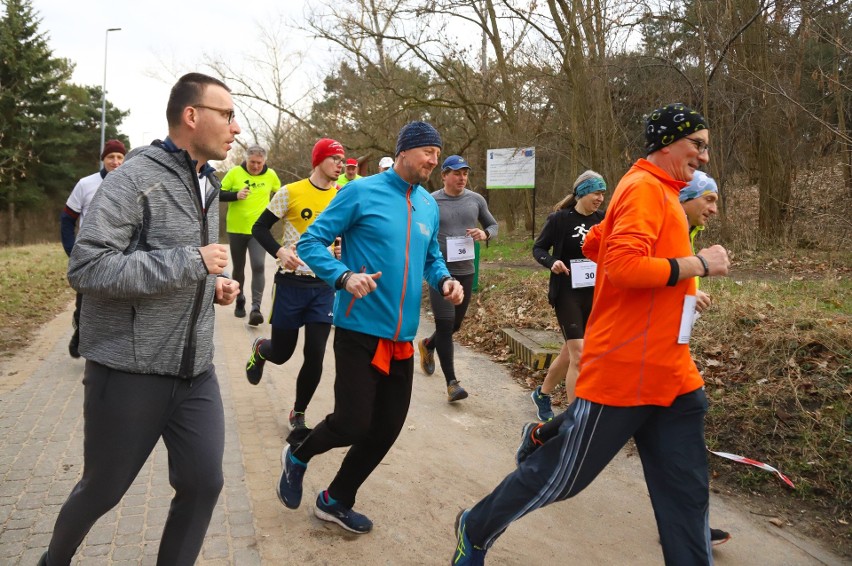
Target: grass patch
[
  {"x": 35, "y": 289},
  {"x": 777, "y": 359},
  {"x": 508, "y": 250}
]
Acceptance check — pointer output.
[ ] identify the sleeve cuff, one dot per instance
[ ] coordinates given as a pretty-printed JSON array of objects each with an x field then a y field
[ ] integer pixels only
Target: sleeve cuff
[{"x": 674, "y": 276}]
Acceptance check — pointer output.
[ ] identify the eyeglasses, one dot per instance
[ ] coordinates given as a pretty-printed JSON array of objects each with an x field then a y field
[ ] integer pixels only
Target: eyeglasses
[
  {"x": 700, "y": 145},
  {"x": 227, "y": 113},
  {"x": 337, "y": 159}
]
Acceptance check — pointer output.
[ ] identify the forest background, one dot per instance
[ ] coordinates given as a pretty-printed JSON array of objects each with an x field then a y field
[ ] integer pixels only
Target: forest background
[{"x": 574, "y": 79}]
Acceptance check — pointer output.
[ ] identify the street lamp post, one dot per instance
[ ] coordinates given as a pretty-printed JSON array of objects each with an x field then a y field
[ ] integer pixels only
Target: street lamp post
[{"x": 103, "y": 101}]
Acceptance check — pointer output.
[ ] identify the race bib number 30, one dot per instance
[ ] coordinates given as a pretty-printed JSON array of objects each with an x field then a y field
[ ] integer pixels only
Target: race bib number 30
[
  {"x": 583, "y": 273},
  {"x": 459, "y": 248}
]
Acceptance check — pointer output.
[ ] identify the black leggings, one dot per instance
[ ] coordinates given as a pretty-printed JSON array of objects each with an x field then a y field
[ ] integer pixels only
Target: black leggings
[
  {"x": 369, "y": 411},
  {"x": 448, "y": 321},
  {"x": 281, "y": 347}
]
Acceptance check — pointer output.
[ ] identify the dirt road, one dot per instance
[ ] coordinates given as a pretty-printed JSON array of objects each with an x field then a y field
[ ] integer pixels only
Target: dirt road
[{"x": 447, "y": 457}]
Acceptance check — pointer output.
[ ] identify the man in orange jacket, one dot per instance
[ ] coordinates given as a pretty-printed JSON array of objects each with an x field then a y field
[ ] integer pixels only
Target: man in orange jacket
[{"x": 637, "y": 377}]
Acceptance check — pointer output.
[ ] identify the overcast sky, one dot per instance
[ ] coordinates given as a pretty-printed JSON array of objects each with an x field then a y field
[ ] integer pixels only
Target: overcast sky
[{"x": 159, "y": 40}]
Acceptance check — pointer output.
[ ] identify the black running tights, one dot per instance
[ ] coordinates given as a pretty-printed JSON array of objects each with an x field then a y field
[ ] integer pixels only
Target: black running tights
[{"x": 281, "y": 347}]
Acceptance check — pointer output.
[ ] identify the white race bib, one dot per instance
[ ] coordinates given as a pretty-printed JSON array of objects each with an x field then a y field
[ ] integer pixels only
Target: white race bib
[
  {"x": 583, "y": 273},
  {"x": 459, "y": 248},
  {"x": 687, "y": 319}
]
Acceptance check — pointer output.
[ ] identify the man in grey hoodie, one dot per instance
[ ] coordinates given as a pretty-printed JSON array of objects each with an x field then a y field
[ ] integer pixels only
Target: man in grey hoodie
[{"x": 149, "y": 269}]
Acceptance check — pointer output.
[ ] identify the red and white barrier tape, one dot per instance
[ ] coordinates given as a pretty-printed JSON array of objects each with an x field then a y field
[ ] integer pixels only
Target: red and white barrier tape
[{"x": 755, "y": 463}]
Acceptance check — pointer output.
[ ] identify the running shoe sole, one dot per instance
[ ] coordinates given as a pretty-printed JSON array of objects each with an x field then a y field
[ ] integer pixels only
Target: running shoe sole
[{"x": 722, "y": 537}]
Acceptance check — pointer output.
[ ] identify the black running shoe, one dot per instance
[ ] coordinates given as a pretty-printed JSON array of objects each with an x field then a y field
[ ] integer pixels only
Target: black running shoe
[
  {"x": 254, "y": 365},
  {"x": 240, "y": 310},
  {"x": 255, "y": 317},
  {"x": 718, "y": 536}
]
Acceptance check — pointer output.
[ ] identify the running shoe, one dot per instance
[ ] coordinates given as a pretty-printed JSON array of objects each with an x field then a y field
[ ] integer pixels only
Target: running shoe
[
  {"x": 240, "y": 310},
  {"x": 455, "y": 392},
  {"x": 543, "y": 410},
  {"x": 528, "y": 442},
  {"x": 255, "y": 317},
  {"x": 335, "y": 512},
  {"x": 466, "y": 554},
  {"x": 427, "y": 358},
  {"x": 718, "y": 536},
  {"x": 289, "y": 488},
  {"x": 254, "y": 365},
  {"x": 297, "y": 421}
]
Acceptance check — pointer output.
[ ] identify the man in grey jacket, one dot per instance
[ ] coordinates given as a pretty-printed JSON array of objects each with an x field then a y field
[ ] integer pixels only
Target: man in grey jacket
[{"x": 149, "y": 268}]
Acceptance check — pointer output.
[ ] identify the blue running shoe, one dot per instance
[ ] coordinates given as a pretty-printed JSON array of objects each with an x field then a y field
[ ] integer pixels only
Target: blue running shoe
[
  {"x": 528, "y": 442},
  {"x": 466, "y": 554},
  {"x": 290, "y": 483},
  {"x": 335, "y": 512},
  {"x": 542, "y": 405}
]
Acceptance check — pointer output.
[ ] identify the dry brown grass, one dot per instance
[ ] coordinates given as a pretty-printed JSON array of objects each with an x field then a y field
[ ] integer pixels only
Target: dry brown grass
[
  {"x": 776, "y": 353},
  {"x": 35, "y": 289}
]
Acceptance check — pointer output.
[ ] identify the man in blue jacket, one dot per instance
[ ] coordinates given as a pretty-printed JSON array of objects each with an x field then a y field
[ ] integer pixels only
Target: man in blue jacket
[{"x": 389, "y": 228}]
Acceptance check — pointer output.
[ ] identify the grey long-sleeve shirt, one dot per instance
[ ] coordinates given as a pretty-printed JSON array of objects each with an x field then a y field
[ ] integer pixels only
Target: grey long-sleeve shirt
[{"x": 468, "y": 210}]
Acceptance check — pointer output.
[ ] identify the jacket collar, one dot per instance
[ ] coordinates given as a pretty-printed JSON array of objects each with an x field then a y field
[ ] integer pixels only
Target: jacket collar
[
  {"x": 398, "y": 182},
  {"x": 168, "y": 145},
  {"x": 646, "y": 165}
]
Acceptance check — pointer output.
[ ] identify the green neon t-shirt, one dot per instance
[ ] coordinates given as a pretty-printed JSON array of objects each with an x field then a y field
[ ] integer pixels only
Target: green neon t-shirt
[{"x": 242, "y": 214}]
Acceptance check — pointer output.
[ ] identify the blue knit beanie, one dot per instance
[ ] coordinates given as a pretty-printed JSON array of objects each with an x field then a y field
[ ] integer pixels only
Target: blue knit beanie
[{"x": 417, "y": 134}]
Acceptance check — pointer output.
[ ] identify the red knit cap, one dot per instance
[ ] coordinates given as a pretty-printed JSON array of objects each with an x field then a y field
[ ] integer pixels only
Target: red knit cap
[
  {"x": 326, "y": 147},
  {"x": 113, "y": 146}
]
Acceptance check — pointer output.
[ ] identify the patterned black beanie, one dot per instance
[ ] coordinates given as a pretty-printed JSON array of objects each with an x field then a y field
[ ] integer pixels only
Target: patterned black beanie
[
  {"x": 665, "y": 126},
  {"x": 417, "y": 134}
]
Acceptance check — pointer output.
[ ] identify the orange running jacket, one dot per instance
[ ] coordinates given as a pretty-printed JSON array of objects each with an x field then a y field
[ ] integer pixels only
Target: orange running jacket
[{"x": 630, "y": 355}]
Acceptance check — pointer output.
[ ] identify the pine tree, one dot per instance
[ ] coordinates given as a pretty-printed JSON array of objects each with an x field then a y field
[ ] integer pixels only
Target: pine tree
[
  {"x": 34, "y": 137},
  {"x": 83, "y": 111}
]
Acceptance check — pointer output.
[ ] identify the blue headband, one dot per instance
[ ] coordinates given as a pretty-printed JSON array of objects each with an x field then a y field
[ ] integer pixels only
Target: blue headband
[{"x": 593, "y": 185}]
